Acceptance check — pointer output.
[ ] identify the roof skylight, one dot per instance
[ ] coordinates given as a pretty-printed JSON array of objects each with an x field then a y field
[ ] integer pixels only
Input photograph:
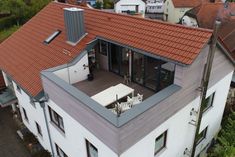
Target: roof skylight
[{"x": 52, "y": 36}]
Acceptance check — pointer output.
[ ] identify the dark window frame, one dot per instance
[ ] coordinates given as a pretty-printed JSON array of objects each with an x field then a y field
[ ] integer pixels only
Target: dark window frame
[
  {"x": 88, "y": 144},
  {"x": 209, "y": 103},
  {"x": 200, "y": 137},
  {"x": 56, "y": 120},
  {"x": 18, "y": 89},
  {"x": 164, "y": 134},
  {"x": 25, "y": 115},
  {"x": 39, "y": 129},
  {"x": 58, "y": 150},
  {"x": 101, "y": 48}
]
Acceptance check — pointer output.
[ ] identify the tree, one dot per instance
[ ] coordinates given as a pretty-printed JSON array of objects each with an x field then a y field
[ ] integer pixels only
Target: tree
[
  {"x": 107, "y": 4},
  {"x": 98, "y": 5},
  {"x": 226, "y": 139},
  {"x": 16, "y": 8}
]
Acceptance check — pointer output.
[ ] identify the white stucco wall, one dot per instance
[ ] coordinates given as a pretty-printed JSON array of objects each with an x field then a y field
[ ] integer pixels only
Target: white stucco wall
[
  {"x": 213, "y": 116},
  {"x": 179, "y": 136},
  {"x": 180, "y": 133},
  {"x": 74, "y": 73},
  {"x": 173, "y": 14},
  {"x": 124, "y": 5},
  {"x": 188, "y": 21},
  {"x": 35, "y": 114},
  {"x": 72, "y": 142}
]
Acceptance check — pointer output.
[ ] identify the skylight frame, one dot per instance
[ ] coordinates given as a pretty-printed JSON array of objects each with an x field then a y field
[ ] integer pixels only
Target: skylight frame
[{"x": 52, "y": 37}]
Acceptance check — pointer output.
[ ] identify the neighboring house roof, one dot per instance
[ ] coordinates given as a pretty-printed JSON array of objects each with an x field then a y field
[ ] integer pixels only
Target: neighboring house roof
[
  {"x": 115, "y": 1},
  {"x": 215, "y": 11},
  {"x": 24, "y": 55},
  {"x": 186, "y": 3}
]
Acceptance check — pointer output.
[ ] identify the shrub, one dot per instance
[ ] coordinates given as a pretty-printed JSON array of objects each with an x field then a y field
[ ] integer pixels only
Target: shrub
[
  {"x": 29, "y": 138},
  {"x": 41, "y": 153},
  {"x": 7, "y": 22}
]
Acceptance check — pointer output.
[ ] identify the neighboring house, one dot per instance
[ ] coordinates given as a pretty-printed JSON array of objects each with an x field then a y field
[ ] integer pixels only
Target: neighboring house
[
  {"x": 154, "y": 6},
  {"x": 225, "y": 12},
  {"x": 175, "y": 9},
  {"x": 133, "y": 7},
  {"x": 90, "y": 2},
  {"x": 78, "y": 2},
  {"x": 69, "y": 80}
]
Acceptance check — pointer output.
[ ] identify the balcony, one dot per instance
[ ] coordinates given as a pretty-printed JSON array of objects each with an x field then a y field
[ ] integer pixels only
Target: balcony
[
  {"x": 119, "y": 75},
  {"x": 7, "y": 97}
]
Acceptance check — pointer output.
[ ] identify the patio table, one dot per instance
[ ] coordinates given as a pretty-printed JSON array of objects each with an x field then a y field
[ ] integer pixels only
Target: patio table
[{"x": 112, "y": 94}]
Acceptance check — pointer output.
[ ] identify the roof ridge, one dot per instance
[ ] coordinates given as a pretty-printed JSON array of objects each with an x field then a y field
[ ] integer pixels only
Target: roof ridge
[{"x": 139, "y": 18}]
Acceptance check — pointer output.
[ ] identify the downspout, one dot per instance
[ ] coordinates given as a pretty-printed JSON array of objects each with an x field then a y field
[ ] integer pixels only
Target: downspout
[
  {"x": 42, "y": 104},
  {"x": 205, "y": 81}
]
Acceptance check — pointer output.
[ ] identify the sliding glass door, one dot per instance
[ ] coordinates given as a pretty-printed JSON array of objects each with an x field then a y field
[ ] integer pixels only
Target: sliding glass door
[
  {"x": 114, "y": 58},
  {"x": 152, "y": 73},
  {"x": 119, "y": 60},
  {"x": 138, "y": 66}
]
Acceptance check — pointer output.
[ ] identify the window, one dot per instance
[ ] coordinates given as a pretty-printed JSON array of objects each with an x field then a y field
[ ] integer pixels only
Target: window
[
  {"x": 32, "y": 102},
  {"x": 208, "y": 102},
  {"x": 60, "y": 152},
  {"x": 201, "y": 136},
  {"x": 52, "y": 36},
  {"x": 160, "y": 143},
  {"x": 103, "y": 48},
  {"x": 25, "y": 115},
  {"x": 56, "y": 119},
  {"x": 18, "y": 88},
  {"x": 92, "y": 151},
  {"x": 38, "y": 128}
]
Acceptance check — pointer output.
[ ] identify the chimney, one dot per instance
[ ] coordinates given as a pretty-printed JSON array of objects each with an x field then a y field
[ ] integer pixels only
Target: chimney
[{"x": 74, "y": 24}]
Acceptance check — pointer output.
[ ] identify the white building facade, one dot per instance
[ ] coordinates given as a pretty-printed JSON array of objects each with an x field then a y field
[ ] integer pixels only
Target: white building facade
[
  {"x": 130, "y": 7},
  {"x": 154, "y": 6}
]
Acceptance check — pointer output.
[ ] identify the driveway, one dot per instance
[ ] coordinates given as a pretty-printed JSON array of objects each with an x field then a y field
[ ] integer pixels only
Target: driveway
[{"x": 10, "y": 144}]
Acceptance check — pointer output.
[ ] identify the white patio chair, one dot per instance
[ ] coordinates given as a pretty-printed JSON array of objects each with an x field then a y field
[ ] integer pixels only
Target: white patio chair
[
  {"x": 125, "y": 106},
  {"x": 137, "y": 99},
  {"x": 113, "y": 110}
]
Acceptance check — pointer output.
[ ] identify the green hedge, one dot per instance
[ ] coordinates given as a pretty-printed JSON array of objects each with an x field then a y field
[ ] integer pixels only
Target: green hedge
[{"x": 7, "y": 22}]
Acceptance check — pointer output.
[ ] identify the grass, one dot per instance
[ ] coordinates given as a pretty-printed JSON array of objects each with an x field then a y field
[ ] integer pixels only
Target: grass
[{"x": 7, "y": 32}]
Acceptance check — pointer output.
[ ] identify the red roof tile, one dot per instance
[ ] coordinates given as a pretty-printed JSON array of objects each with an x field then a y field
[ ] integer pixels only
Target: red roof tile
[
  {"x": 23, "y": 55},
  {"x": 227, "y": 17},
  {"x": 186, "y": 3}
]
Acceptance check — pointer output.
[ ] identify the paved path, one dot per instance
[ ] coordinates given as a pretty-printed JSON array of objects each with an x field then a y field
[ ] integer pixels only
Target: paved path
[{"x": 10, "y": 144}]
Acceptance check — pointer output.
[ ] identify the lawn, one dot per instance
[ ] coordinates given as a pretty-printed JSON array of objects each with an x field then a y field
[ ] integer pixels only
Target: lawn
[{"x": 7, "y": 32}]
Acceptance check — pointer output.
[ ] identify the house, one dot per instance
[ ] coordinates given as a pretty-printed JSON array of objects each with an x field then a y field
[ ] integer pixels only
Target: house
[
  {"x": 136, "y": 7},
  {"x": 90, "y": 2},
  {"x": 225, "y": 12},
  {"x": 112, "y": 86},
  {"x": 154, "y": 6},
  {"x": 175, "y": 9}
]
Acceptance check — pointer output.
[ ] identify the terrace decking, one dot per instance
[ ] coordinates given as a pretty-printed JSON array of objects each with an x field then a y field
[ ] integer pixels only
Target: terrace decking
[{"x": 104, "y": 79}]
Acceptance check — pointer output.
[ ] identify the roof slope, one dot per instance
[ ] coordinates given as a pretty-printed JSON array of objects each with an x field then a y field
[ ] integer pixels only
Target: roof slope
[
  {"x": 186, "y": 3},
  {"x": 23, "y": 55},
  {"x": 227, "y": 17}
]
